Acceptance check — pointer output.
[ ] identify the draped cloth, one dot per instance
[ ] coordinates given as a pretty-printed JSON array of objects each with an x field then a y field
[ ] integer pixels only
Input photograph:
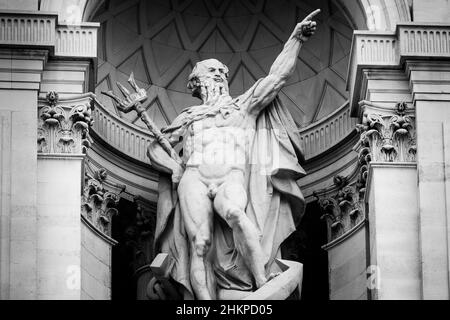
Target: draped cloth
[{"x": 275, "y": 201}]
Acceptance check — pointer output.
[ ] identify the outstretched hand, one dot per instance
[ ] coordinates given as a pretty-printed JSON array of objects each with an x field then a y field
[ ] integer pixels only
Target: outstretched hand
[{"x": 305, "y": 29}]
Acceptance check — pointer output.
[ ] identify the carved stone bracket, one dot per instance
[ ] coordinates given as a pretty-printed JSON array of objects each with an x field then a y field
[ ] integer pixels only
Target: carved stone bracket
[
  {"x": 63, "y": 126},
  {"x": 342, "y": 206},
  {"x": 98, "y": 204},
  {"x": 387, "y": 135}
]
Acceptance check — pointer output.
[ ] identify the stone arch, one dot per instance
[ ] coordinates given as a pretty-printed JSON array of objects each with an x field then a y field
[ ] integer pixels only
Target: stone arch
[
  {"x": 376, "y": 14},
  {"x": 364, "y": 14}
]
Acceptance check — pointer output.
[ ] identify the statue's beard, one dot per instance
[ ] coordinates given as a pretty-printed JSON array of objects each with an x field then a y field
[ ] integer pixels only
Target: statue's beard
[{"x": 212, "y": 90}]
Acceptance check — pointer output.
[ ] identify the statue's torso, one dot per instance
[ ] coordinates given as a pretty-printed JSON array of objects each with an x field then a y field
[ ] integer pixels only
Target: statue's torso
[{"x": 219, "y": 143}]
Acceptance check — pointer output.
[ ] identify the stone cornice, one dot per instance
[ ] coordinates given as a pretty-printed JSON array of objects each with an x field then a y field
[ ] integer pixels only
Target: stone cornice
[
  {"x": 429, "y": 80},
  {"x": 389, "y": 50},
  {"x": 41, "y": 30},
  {"x": 22, "y": 68}
]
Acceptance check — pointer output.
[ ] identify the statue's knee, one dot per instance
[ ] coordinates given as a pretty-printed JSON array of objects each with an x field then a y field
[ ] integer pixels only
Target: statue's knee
[
  {"x": 234, "y": 216},
  {"x": 202, "y": 245}
]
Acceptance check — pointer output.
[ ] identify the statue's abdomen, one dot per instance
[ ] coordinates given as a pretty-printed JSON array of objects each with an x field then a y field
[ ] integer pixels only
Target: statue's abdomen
[{"x": 216, "y": 144}]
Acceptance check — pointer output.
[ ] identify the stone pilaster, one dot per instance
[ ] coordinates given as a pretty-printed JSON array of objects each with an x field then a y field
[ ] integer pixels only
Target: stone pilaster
[
  {"x": 401, "y": 144},
  {"x": 62, "y": 141},
  {"x": 388, "y": 144},
  {"x": 43, "y": 150},
  {"x": 430, "y": 83},
  {"x": 99, "y": 204},
  {"x": 20, "y": 75}
]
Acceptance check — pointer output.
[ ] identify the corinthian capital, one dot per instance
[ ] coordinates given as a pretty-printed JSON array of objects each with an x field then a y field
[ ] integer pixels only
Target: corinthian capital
[
  {"x": 63, "y": 125},
  {"x": 387, "y": 134}
]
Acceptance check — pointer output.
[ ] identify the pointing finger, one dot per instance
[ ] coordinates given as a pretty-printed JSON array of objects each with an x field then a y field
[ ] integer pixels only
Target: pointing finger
[{"x": 312, "y": 15}]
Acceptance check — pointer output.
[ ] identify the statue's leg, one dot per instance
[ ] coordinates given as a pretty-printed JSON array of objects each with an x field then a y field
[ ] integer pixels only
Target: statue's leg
[
  {"x": 230, "y": 202},
  {"x": 197, "y": 214}
]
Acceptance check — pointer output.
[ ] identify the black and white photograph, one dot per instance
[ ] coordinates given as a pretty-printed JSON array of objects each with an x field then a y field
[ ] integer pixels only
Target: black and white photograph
[{"x": 240, "y": 151}]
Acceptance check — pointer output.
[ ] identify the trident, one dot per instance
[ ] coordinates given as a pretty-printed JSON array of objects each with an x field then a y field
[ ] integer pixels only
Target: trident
[{"x": 133, "y": 102}]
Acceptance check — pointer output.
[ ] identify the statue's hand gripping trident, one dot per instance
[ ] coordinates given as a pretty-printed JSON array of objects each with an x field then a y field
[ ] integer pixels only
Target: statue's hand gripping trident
[{"x": 133, "y": 101}]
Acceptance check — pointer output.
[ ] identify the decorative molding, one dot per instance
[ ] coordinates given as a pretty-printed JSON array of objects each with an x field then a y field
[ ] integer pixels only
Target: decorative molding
[
  {"x": 342, "y": 206},
  {"x": 97, "y": 232},
  {"x": 76, "y": 40},
  {"x": 98, "y": 204},
  {"x": 63, "y": 125},
  {"x": 344, "y": 236},
  {"x": 27, "y": 29},
  {"x": 424, "y": 40},
  {"x": 381, "y": 50},
  {"x": 40, "y": 29},
  {"x": 327, "y": 132},
  {"x": 133, "y": 141},
  {"x": 123, "y": 136},
  {"x": 387, "y": 135}
]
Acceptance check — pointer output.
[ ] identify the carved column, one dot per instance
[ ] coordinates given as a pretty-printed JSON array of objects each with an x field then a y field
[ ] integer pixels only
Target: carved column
[
  {"x": 62, "y": 140},
  {"x": 388, "y": 143},
  {"x": 382, "y": 99},
  {"x": 99, "y": 204},
  {"x": 342, "y": 206},
  {"x": 407, "y": 193}
]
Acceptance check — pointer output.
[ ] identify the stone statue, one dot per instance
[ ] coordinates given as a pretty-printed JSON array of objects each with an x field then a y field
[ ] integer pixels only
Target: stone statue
[{"x": 230, "y": 197}]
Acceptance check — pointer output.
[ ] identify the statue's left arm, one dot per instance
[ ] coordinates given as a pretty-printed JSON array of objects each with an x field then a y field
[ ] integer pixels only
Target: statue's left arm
[{"x": 283, "y": 66}]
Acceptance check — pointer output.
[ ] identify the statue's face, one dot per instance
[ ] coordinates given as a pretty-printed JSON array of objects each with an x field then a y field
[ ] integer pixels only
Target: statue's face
[{"x": 214, "y": 72}]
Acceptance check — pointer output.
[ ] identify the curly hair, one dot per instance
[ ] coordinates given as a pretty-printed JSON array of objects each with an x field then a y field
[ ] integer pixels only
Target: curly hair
[{"x": 194, "y": 78}]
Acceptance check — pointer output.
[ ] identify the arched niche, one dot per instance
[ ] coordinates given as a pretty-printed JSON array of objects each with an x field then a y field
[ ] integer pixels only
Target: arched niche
[{"x": 365, "y": 14}]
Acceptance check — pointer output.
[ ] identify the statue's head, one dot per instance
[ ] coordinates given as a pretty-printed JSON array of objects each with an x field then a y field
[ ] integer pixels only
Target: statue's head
[{"x": 207, "y": 74}]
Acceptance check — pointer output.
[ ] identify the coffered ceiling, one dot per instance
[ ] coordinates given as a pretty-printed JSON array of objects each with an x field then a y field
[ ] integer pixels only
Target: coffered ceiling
[{"x": 161, "y": 40}]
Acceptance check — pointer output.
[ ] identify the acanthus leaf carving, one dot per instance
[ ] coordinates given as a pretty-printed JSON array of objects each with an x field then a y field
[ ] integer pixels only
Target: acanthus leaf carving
[
  {"x": 342, "y": 206},
  {"x": 388, "y": 134},
  {"x": 63, "y": 127},
  {"x": 98, "y": 204}
]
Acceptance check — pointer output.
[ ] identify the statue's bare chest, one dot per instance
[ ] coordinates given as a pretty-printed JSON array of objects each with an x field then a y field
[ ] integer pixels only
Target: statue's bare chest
[{"x": 223, "y": 119}]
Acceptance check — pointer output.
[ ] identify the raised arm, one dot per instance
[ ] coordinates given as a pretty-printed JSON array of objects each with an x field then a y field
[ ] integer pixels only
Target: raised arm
[{"x": 284, "y": 65}]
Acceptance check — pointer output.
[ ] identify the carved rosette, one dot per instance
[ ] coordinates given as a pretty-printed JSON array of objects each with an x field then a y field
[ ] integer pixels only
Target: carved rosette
[
  {"x": 63, "y": 126},
  {"x": 98, "y": 204},
  {"x": 387, "y": 135},
  {"x": 341, "y": 206}
]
